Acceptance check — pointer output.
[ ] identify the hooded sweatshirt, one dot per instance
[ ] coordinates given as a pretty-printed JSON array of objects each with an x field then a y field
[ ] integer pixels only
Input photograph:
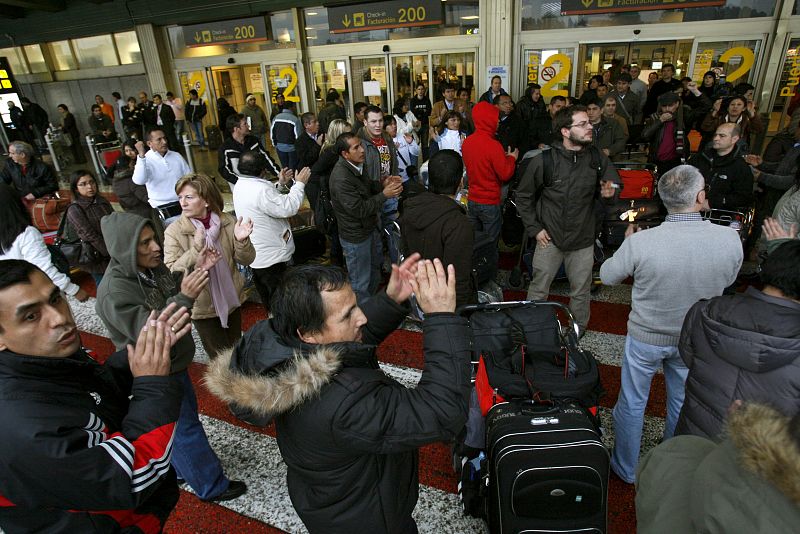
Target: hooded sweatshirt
[
  {"x": 486, "y": 162},
  {"x": 126, "y": 296},
  {"x": 436, "y": 227}
]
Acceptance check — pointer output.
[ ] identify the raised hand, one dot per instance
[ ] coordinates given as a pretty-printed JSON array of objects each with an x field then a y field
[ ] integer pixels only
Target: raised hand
[
  {"x": 194, "y": 283},
  {"x": 242, "y": 229},
  {"x": 399, "y": 287},
  {"x": 150, "y": 357},
  {"x": 435, "y": 290},
  {"x": 773, "y": 229},
  {"x": 177, "y": 319},
  {"x": 303, "y": 175}
]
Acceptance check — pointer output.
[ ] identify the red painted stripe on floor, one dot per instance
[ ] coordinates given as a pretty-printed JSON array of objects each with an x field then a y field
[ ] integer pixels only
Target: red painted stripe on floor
[{"x": 193, "y": 515}]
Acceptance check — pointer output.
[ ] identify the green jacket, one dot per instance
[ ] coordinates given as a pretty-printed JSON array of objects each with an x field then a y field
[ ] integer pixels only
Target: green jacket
[
  {"x": 125, "y": 297},
  {"x": 749, "y": 483}
]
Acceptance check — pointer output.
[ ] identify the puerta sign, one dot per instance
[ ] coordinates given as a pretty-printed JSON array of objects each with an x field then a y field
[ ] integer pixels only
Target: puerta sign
[
  {"x": 382, "y": 15},
  {"x": 588, "y": 7},
  {"x": 225, "y": 32}
]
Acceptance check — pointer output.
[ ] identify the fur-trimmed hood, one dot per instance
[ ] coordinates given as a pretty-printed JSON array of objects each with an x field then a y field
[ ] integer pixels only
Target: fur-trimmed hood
[{"x": 765, "y": 447}]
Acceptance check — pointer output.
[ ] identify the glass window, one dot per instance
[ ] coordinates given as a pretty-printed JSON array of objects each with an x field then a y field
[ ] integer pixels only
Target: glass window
[
  {"x": 128, "y": 48},
  {"x": 94, "y": 52},
  {"x": 370, "y": 69},
  {"x": 787, "y": 89},
  {"x": 408, "y": 72},
  {"x": 62, "y": 55},
  {"x": 546, "y": 15},
  {"x": 733, "y": 60},
  {"x": 457, "y": 68},
  {"x": 330, "y": 74},
  {"x": 35, "y": 58},
  {"x": 280, "y": 32},
  {"x": 460, "y": 18},
  {"x": 15, "y": 60},
  {"x": 550, "y": 68}
]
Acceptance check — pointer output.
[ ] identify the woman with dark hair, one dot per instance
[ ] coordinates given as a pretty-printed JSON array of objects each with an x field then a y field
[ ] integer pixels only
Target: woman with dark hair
[
  {"x": 69, "y": 127},
  {"x": 84, "y": 214},
  {"x": 448, "y": 133},
  {"x": 203, "y": 225},
  {"x": 734, "y": 109},
  {"x": 709, "y": 85},
  {"x": 407, "y": 123},
  {"x": 590, "y": 94},
  {"x": 132, "y": 120},
  {"x": 21, "y": 241}
]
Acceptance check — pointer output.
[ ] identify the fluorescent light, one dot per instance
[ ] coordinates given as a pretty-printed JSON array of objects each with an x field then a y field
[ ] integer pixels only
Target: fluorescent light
[
  {"x": 470, "y": 17},
  {"x": 309, "y": 28},
  {"x": 312, "y": 13}
]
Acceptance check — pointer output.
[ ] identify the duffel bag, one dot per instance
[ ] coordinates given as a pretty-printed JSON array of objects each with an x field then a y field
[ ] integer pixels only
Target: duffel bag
[
  {"x": 636, "y": 184},
  {"x": 46, "y": 212}
]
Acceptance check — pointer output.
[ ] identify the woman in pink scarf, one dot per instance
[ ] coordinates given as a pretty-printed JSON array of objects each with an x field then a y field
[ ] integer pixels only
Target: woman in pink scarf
[{"x": 216, "y": 313}]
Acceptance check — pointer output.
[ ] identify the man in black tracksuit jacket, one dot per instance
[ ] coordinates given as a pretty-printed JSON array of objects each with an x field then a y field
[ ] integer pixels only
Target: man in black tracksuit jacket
[
  {"x": 85, "y": 447},
  {"x": 348, "y": 433},
  {"x": 239, "y": 142}
]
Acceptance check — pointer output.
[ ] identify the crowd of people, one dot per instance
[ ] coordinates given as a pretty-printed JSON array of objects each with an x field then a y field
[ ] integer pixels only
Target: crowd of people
[{"x": 386, "y": 191}]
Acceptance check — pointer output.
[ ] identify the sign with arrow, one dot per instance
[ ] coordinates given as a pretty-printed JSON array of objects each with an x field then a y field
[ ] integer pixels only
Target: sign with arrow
[
  {"x": 225, "y": 32},
  {"x": 589, "y": 7},
  {"x": 383, "y": 15}
]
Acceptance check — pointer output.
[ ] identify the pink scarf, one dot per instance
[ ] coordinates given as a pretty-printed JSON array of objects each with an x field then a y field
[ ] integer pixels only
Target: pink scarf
[{"x": 223, "y": 292}]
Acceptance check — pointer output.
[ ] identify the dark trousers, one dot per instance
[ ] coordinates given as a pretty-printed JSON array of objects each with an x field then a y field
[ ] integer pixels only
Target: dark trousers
[
  {"x": 664, "y": 166},
  {"x": 215, "y": 338},
  {"x": 266, "y": 280}
]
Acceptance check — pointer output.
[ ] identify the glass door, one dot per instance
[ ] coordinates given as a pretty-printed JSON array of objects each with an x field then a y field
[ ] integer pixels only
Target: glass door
[
  {"x": 371, "y": 81},
  {"x": 407, "y": 72},
  {"x": 331, "y": 74},
  {"x": 281, "y": 78},
  {"x": 198, "y": 80},
  {"x": 457, "y": 68}
]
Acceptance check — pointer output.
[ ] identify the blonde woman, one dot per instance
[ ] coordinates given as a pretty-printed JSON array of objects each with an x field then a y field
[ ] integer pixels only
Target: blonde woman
[{"x": 216, "y": 314}]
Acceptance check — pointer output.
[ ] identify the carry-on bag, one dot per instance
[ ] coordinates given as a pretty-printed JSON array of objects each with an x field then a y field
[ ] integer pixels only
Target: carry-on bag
[
  {"x": 546, "y": 470},
  {"x": 47, "y": 212}
]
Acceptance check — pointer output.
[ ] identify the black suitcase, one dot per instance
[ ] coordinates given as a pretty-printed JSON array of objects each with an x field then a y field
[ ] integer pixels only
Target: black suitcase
[
  {"x": 547, "y": 470},
  {"x": 309, "y": 243},
  {"x": 483, "y": 248},
  {"x": 213, "y": 137}
]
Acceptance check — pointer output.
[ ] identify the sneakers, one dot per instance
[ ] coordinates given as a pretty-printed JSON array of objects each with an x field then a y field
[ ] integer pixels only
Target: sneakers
[{"x": 236, "y": 488}]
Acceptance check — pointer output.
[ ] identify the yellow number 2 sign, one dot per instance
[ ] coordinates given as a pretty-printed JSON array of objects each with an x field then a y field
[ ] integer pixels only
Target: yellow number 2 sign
[
  {"x": 747, "y": 60},
  {"x": 553, "y": 75}
]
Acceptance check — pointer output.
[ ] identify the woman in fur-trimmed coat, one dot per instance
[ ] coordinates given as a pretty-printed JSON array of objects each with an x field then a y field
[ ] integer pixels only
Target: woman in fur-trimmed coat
[{"x": 748, "y": 483}]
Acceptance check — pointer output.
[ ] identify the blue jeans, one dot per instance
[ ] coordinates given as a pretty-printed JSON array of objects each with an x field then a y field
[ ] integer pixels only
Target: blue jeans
[
  {"x": 488, "y": 219},
  {"x": 192, "y": 457},
  {"x": 363, "y": 265},
  {"x": 288, "y": 159},
  {"x": 640, "y": 363},
  {"x": 387, "y": 218},
  {"x": 197, "y": 126}
]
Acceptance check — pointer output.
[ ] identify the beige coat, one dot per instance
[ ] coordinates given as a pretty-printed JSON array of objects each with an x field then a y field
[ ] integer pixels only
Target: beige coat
[{"x": 180, "y": 254}]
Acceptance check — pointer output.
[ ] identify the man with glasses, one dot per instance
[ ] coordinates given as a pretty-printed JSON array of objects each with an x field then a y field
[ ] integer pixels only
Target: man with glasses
[
  {"x": 669, "y": 275},
  {"x": 556, "y": 199}
]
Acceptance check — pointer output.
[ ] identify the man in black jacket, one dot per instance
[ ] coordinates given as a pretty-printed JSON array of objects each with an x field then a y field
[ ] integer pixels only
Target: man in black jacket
[
  {"x": 30, "y": 176},
  {"x": 164, "y": 117},
  {"x": 729, "y": 180},
  {"x": 357, "y": 201},
  {"x": 101, "y": 126},
  {"x": 511, "y": 130},
  {"x": 307, "y": 148},
  {"x": 239, "y": 142},
  {"x": 348, "y": 433},
  {"x": 85, "y": 447},
  {"x": 540, "y": 131},
  {"x": 436, "y": 226}
]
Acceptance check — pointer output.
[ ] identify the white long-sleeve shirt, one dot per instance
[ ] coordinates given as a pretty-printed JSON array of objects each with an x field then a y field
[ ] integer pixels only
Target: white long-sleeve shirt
[
  {"x": 30, "y": 246},
  {"x": 259, "y": 200},
  {"x": 160, "y": 174}
]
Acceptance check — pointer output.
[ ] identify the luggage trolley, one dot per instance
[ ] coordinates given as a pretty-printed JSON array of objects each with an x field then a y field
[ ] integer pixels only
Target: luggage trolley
[
  {"x": 61, "y": 150},
  {"x": 740, "y": 219},
  {"x": 106, "y": 154}
]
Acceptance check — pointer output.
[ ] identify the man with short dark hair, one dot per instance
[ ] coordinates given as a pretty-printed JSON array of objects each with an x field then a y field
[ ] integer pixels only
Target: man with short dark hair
[
  {"x": 541, "y": 132},
  {"x": 159, "y": 169},
  {"x": 195, "y": 111},
  {"x": 164, "y": 118},
  {"x": 436, "y": 226},
  {"x": 357, "y": 201},
  {"x": 511, "y": 130},
  {"x": 556, "y": 199},
  {"x": 447, "y": 103},
  {"x": 628, "y": 105},
  {"x": 348, "y": 433},
  {"x": 135, "y": 283},
  {"x": 531, "y": 106},
  {"x": 145, "y": 106},
  {"x": 308, "y": 147},
  {"x": 358, "y": 116},
  {"x": 667, "y": 84},
  {"x": 237, "y": 143},
  {"x": 101, "y": 126},
  {"x": 669, "y": 275},
  {"x": 284, "y": 131},
  {"x": 729, "y": 179},
  {"x": 85, "y": 447},
  {"x": 332, "y": 110},
  {"x": 607, "y": 134},
  {"x": 257, "y": 198},
  {"x": 495, "y": 90},
  {"x": 106, "y": 108}
]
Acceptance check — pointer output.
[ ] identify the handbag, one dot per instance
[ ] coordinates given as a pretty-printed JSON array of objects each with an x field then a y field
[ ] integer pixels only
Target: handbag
[
  {"x": 169, "y": 210},
  {"x": 47, "y": 212},
  {"x": 75, "y": 250},
  {"x": 411, "y": 170},
  {"x": 324, "y": 216}
]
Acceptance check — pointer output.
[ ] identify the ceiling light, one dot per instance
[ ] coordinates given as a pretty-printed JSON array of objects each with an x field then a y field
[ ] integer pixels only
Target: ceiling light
[
  {"x": 470, "y": 17},
  {"x": 312, "y": 13}
]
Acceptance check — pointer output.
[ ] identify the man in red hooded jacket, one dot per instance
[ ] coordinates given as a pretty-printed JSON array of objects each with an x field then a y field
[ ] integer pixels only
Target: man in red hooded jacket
[{"x": 488, "y": 166}]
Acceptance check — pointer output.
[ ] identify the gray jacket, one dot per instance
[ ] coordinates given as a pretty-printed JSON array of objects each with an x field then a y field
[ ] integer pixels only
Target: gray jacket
[{"x": 372, "y": 158}]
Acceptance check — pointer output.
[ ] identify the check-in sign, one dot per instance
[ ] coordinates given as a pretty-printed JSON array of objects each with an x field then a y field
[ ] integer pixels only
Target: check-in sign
[
  {"x": 588, "y": 7},
  {"x": 383, "y": 15},
  {"x": 225, "y": 32}
]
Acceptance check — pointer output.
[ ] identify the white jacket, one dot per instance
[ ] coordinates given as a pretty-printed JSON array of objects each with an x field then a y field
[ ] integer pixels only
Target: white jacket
[
  {"x": 259, "y": 200},
  {"x": 30, "y": 246}
]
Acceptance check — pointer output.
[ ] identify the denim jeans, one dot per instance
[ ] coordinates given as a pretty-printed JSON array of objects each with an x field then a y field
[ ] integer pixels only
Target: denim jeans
[
  {"x": 288, "y": 159},
  {"x": 640, "y": 363},
  {"x": 363, "y": 265},
  {"x": 197, "y": 126},
  {"x": 387, "y": 220},
  {"x": 487, "y": 218},
  {"x": 192, "y": 457}
]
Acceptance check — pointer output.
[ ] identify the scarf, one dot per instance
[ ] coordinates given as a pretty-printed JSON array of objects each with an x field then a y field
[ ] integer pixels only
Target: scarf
[{"x": 223, "y": 292}]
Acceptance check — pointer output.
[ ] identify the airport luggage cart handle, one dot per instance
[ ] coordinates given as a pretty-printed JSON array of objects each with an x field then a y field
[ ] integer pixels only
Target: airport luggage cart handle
[
  {"x": 634, "y": 166},
  {"x": 465, "y": 311}
]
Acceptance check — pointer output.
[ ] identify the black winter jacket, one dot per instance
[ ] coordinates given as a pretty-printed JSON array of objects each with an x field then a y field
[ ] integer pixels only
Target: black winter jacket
[
  {"x": 356, "y": 201},
  {"x": 728, "y": 177},
  {"x": 76, "y": 455},
  {"x": 739, "y": 347},
  {"x": 565, "y": 208},
  {"x": 38, "y": 180},
  {"x": 436, "y": 227},
  {"x": 348, "y": 433},
  {"x": 231, "y": 150}
]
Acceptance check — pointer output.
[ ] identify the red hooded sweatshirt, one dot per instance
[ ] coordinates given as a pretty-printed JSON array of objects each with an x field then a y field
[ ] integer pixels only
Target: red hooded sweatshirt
[{"x": 486, "y": 162}]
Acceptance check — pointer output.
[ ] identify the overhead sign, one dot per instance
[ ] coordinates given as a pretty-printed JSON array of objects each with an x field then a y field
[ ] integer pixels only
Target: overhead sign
[
  {"x": 382, "y": 15},
  {"x": 7, "y": 82},
  {"x": 589, "y": 7},
  {"x": 225, "y": 32}
]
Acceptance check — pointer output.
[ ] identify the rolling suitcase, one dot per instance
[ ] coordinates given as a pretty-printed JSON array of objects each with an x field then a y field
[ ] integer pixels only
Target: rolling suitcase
[
  {"x": 483, "y": 248},
  {"x": 213, "y": 137},
  {"x": 546, "y": 470}
]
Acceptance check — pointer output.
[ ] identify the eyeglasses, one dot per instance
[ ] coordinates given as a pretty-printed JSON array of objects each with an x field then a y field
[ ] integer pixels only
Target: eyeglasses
[{"x": 584, "y": 124}]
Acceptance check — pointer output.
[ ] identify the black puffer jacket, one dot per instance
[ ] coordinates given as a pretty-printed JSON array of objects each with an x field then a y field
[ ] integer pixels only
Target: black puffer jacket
[
  {"x": 739, "y": 347},
  {"x": 566, "y": 207},
  {"x": 728, "y": 177},
  {"x": 348, "y": 433},
  {"x": 356, "y": 201}
]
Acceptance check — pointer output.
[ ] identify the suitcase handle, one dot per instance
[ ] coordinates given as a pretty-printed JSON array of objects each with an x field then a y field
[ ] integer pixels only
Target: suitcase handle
[{"x": 469, "y": 309}]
